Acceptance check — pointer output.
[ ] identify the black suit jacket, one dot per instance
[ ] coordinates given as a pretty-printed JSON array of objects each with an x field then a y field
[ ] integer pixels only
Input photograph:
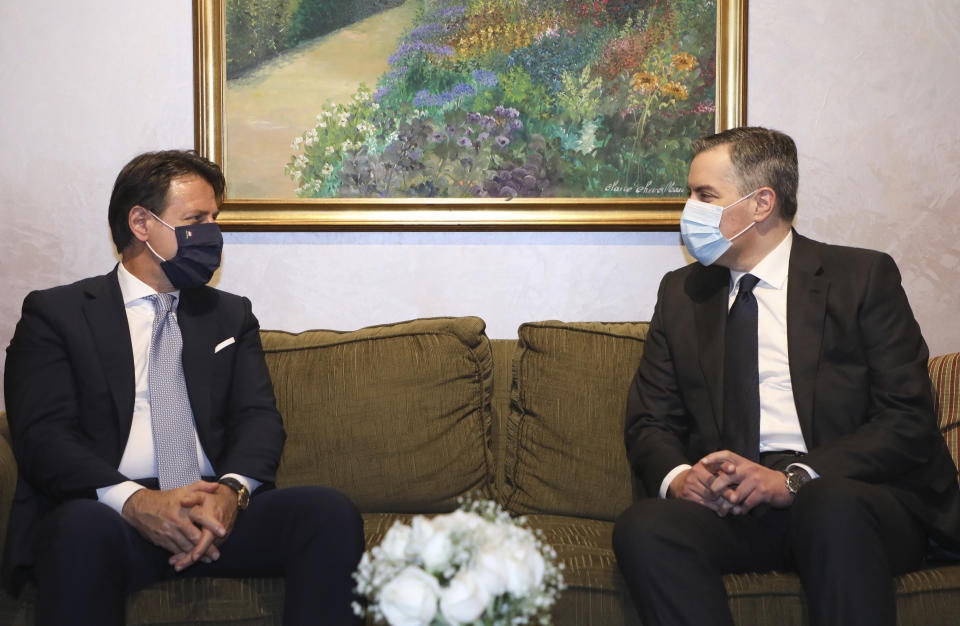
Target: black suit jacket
[
  {"x": 69, "y": 387},
  {"x": 858, "y": 366}
]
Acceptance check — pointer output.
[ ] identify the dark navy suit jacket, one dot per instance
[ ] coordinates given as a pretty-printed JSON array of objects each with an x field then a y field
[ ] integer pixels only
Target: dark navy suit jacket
[{"x": 69, "y": 386}]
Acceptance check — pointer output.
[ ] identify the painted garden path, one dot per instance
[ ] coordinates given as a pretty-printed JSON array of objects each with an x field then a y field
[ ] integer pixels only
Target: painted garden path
[{"x": 280, "y": 100}]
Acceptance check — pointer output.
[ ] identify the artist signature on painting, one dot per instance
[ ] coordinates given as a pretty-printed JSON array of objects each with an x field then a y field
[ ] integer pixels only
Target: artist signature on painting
[{"x": 670, "y": 188}]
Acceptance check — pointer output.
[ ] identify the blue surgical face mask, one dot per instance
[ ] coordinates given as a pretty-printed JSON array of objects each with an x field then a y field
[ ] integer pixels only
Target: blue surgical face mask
[
  {"x": 198, "y": 254},
  {"x": 700, "y": 229}
]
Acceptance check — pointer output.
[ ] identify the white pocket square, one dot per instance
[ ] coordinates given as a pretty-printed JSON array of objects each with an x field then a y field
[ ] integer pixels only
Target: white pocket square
[{"x": 223, "y": 344}]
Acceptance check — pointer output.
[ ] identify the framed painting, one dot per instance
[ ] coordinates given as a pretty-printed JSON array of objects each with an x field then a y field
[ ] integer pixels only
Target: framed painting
[{"x": 462, "y": 114}]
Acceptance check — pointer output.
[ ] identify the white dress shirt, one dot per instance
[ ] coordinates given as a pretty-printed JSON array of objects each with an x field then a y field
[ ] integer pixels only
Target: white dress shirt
[
  {"x": 779, "y": 424},
  {"x": 139, "y": 458}
]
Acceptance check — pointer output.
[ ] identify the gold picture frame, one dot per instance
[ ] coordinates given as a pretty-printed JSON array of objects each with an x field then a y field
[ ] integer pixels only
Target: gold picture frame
[{"x": 646, "y": 214}]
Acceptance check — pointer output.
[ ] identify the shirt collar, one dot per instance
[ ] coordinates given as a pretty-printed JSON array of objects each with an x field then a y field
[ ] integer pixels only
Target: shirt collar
[
  {"x": 773, "y": 269},
  {"x": 133, "y": 289}
]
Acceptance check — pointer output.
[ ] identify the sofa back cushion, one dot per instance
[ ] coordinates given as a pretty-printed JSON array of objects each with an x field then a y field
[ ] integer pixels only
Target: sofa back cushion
[
  {"x": 945, "y": 376},
  {"x": 565, "y": 451},
  {"x": 397, "y": 416}
]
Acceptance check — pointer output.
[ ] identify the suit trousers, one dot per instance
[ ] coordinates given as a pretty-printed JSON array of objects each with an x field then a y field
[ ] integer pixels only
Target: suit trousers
[
  {"x": 88, "y": 558},
  {"x": 846, "y": 539}
]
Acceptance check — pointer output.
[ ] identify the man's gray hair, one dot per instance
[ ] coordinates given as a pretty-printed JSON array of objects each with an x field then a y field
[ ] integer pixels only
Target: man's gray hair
[{"x": 761, "y": 158}]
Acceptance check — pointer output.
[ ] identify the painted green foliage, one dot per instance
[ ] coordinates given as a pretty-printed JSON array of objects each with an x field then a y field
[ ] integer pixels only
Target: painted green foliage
[
  {"x": 531, "y": 98},
  {"x": 261, "y": 29}
]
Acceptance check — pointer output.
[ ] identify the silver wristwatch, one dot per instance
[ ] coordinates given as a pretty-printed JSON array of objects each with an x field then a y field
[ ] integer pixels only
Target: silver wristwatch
[{"x": 796, "y": 477}]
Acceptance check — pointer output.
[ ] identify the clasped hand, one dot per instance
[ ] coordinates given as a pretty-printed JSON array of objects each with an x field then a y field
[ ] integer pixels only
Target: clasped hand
[
  {"x": 727, "y": 483},
  {"x": 190, "y": 522}
]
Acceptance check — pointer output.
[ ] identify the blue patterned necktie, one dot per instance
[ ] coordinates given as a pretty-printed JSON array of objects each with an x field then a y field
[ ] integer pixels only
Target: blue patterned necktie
[
  {"x": 170, "y": 412},
  {"x": 741, "y": 378}
]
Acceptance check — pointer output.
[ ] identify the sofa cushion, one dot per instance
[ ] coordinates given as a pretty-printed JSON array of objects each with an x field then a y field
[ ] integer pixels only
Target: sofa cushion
[
  {"x": 565, "y": 452},
  {"x": 200, "y": 601},
  {"x": 397, "y": 417},
  {"x": 945, "y": 376}
]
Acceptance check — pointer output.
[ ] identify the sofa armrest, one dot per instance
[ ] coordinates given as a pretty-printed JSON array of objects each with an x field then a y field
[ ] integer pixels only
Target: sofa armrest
[
  {"x": 945, "y": 377},
  {"x": 8, "y": 477}
]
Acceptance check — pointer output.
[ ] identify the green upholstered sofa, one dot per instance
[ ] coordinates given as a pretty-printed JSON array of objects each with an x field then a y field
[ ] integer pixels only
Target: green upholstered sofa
[{"x": 407, "y": 417}]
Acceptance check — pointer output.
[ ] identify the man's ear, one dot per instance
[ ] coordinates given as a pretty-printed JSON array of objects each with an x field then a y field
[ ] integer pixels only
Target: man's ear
[
  {"x": 766, "y": 204},
  {"x": 137, "y": 220}
]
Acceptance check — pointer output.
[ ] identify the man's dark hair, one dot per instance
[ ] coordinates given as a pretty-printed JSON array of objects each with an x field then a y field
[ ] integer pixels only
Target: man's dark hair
[
  {"x": 761, "y": 158},
  {"x": 145, "y": 181}
]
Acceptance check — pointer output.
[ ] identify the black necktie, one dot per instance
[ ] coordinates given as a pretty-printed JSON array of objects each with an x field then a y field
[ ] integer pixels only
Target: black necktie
[{"x": 741, "y": 380}]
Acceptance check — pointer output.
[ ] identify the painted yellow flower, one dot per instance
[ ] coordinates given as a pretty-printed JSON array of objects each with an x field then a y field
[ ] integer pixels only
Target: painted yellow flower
[
  {"x": 684, "y": 61},
  {"x": 676, "y": 90},
  {"x": 644, "y": 81}
]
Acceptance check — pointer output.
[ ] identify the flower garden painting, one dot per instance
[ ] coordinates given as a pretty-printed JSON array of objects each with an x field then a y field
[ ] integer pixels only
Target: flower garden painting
[{"x": 508, "y": 98}]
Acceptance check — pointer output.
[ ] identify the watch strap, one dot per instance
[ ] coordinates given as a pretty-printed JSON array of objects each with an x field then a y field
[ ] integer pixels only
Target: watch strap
[{"x": 243, "y": 494}]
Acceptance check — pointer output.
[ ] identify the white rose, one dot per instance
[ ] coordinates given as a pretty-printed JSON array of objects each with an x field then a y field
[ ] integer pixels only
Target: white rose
[
  {"x": 524, "y": 568},
  {"x": 436, "y": 552},
  {"x": 490, "y": 569},
  {"x": 465, "y": 599},
  {"x": 410, "y": 599},
  {"x": 431, "y": 540},
  {"x": 495, "y": 534},
  {"x": 423, "y": 531},
  {"x": 397, "y": 539},
  {"x": 460, "y": 520}
]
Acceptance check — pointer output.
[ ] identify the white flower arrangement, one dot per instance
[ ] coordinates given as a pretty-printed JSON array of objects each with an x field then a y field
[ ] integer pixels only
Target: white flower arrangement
[{"x": 476, "y": 566}]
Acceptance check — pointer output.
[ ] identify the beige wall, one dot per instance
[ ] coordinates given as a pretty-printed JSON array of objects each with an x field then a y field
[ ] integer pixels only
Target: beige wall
[{"x": 867, "y": 88}]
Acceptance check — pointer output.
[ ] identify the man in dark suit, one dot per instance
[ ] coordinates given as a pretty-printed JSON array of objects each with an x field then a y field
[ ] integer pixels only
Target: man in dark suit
[
  {"x": 781, "y": 417},
  {"x": 142, "y": 417}
]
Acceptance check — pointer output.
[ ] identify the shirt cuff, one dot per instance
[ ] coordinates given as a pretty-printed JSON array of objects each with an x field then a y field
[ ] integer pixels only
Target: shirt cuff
[
  {"x": 804, "y": 467},
  {"x": 665, "y": 485},
  {"x": 115, "y": 496},
  {"x": 251, "y": 484}
]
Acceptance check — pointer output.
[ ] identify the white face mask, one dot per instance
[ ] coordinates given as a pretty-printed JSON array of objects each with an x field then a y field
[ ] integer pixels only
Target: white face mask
[{"x": 700, "y": 229}]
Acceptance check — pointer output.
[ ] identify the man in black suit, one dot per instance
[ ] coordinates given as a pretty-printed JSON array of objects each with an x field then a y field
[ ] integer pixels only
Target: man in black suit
[
  {"x": 806, "y": 442},
  {"x": 105, "y": 503}
]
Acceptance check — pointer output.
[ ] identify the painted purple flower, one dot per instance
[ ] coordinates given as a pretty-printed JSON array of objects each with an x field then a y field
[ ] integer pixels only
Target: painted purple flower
[
  {"x": 464, "y": 142},
  {"x": 515, "y": 125},
  {"x": 508, "y": 192},
  {"x": 425, "y": 30},
  {"x": 485, "y": 78},
  {"x": 462, "y": 89},
  {"x": 421, "y": 98},
  {"x": 473, "y": 118},
  {"x": 489, "y": 121},
  {"x": 502, "y": 141},
  {"x": 436, "y": 136},
  {"x": 451, "y": 129},
  {"x": 512, "y": 113},
  {"x": 454, "y": 11},
  {"x": 483, "y": 136},
  {"x": 409, "y": 47},
  {"x": 379, "y": 93},
  {"x": 500, "y": 111}
]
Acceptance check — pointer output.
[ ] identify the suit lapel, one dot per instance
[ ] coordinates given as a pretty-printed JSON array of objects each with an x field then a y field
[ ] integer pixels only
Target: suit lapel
[
  {"x": 709, "y": 288},
  {"x": 198, "y": 327},
  {"x": 806, "y": 309},
  {"x": 107, "y": 319}
]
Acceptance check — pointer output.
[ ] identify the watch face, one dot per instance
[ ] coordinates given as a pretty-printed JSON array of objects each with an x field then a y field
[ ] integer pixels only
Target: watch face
[{"x": 795, "y": 480}]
